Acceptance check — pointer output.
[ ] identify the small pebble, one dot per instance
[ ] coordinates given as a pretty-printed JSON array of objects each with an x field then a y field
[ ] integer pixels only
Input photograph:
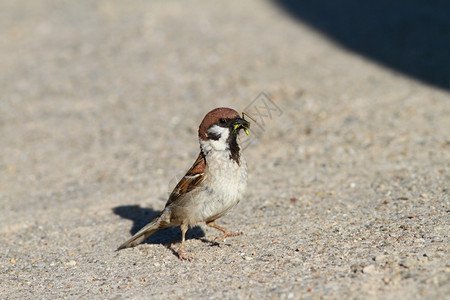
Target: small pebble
[
  {"x": 71, "y": 263},
  {"x": 370, "y": 269},
  {"x": 380, "y": 258},
  {"x": 410, "y": 262}
]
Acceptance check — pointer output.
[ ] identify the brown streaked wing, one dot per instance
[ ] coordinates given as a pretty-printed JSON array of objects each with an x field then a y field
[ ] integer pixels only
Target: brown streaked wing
[{"x": 190, "y": 181}]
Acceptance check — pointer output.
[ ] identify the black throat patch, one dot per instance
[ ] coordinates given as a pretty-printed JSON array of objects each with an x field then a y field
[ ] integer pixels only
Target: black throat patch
[{"x": 234, "y": 146}]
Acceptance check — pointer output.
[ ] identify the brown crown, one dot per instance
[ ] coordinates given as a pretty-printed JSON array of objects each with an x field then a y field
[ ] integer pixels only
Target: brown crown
[{"x": 213, "y": 117}]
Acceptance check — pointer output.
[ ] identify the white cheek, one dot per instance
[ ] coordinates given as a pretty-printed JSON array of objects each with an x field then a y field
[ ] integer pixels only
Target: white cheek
[
  {"x": 221, "y": 144},
  {"x": 217, "y": 130}
]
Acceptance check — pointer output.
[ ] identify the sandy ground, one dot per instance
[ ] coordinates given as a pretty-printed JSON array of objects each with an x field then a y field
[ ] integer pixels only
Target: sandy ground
[{"x": 100, "y": 102}]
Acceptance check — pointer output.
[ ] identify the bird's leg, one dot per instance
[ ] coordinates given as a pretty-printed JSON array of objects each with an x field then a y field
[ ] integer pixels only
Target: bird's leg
[
  {"x": 226, "y": 233},
  {"x": 182, "y": 253}
]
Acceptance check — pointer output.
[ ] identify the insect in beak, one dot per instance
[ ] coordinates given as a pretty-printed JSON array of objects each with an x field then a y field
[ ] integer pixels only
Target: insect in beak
[{"x": 241, "y": 125}]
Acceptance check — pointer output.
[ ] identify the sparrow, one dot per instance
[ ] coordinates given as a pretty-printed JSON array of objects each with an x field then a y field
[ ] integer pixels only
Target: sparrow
[{"x": 214, "y": 184}]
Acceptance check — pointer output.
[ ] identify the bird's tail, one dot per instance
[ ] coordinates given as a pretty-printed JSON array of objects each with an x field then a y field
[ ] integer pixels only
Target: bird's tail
[{"x": 149, "y": 229}]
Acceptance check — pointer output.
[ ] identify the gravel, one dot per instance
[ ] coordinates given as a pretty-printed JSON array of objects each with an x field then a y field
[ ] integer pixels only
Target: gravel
[{"x": 100, "y": 102}]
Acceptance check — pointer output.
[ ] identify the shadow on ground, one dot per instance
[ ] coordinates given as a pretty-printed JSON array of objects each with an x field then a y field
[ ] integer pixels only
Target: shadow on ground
[
  {"x": 142, "y": 216},
  {"x": 412, "y": 37}
]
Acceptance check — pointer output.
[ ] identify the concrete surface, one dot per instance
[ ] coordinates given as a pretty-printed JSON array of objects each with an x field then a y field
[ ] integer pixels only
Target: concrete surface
[{"x": 99, "y": 107}]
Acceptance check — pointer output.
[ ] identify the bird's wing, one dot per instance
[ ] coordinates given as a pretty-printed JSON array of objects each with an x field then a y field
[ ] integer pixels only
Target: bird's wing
[{"x": 193, "y": 178}]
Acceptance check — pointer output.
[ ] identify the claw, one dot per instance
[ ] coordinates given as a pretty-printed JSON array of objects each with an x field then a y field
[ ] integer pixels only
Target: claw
[
  {"x": 183, "y": 254},
  {"x": 227, "y": 234}
]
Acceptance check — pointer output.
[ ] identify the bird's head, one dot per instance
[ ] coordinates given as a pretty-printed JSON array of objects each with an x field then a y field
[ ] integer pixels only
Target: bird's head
[{"x": 219, "y": 130}]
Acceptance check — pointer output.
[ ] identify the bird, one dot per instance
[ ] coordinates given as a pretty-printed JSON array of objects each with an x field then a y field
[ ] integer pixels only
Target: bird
[{"x": 214, "y": 184}]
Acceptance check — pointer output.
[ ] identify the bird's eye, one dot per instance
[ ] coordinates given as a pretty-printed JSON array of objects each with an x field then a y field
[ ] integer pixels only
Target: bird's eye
[{"x": 223, "y": 121}]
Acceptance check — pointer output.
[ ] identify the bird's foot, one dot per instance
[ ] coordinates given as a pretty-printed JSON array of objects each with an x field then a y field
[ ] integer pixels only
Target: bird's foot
[
  {"x": 227, "y": 234},
  {"x": 183, "y": 254}
]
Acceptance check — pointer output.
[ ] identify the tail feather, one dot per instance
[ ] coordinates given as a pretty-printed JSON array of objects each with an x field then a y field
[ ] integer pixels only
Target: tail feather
[{"x": 144, "y": 233}]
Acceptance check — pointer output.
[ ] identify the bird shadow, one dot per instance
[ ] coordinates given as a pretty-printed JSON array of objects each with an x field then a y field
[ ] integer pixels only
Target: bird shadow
[{"x": 142, "y": 216}]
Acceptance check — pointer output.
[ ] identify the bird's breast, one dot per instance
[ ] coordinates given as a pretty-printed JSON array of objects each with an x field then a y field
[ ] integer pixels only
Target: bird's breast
[{"x": 224, "y": 187}]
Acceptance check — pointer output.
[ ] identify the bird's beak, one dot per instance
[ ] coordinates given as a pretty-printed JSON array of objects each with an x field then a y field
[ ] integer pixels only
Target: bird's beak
[{"x": 241, "y": 123}]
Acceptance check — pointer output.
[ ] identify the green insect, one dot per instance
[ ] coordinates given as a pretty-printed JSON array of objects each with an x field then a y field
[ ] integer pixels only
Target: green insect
[{"x": 245, "y": 128}]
